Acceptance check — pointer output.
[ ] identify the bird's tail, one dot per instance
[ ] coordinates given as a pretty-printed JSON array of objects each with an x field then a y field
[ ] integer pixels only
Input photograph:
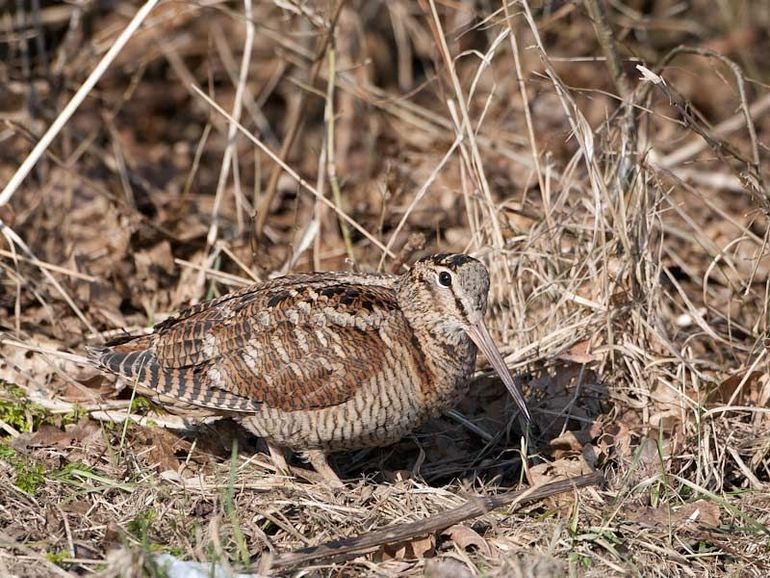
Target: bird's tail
[{"x": 192, "y": 385}]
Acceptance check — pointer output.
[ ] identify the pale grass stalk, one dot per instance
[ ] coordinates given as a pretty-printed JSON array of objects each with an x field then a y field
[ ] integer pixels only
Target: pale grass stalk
[
  {"x": 749, "y": 475},
  {"x": 426, "y": 120},
  {"x": 473, "y": 160},
  {"x": 467, "y": 128},
  {"x": 30, "y": 346},
  {"x": 547, "y": 209},
  {"x": 78, "y": 98},
  {"x": 307, "y": 239},
  {"x": 15, "y": 241},
  {"x": 50, "y": 267},
  {"x": 471, "y": 208},
  {"x": 294, "y": 175},
  {"x": 681, "y": 154},
  {"x": 220, "y": 276},
  {"x": 581, "y": 130},
  {"x": 230, "y": 153},
  {"x": 419, "y": 196},
  {"x": 474, "y": 220},
  {"x": 222, "y": 246},
  {"x": 249, "y": 100},
  {"x": 330, "y": 142},
  {"x": 319, "y": 211}
]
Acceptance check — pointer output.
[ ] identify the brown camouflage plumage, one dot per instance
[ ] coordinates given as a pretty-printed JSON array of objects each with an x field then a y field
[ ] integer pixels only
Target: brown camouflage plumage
[{"x": 321, "y": 361}]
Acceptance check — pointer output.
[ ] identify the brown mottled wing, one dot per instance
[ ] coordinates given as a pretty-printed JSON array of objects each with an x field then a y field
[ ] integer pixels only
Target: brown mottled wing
[{"x": 298, "y": 342}]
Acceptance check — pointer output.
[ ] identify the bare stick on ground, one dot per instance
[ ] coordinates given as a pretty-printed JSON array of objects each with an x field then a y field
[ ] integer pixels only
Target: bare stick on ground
[{"x": 474, "y": 507}]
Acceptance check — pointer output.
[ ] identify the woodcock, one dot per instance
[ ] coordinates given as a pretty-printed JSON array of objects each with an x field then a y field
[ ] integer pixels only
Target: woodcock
[{"x": 321, "y": 362}]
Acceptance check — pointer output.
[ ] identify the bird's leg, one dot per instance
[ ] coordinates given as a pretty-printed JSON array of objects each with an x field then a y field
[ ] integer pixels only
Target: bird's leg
[
  {"x": 318, "y": 459},
  {"x": 279, "y": 459}
]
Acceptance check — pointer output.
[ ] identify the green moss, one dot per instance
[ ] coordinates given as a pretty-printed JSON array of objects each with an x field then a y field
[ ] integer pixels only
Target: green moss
[
  {"x": 17, "y": 411},
  {"x": 75, "y": 415},
  {"x": 176, "y": 551},
  {"x": 140, "y": 404},
  {"x": 139, "y": 527},
  {"x": 59, "y": 557},
  {"x": 29, "y": 476},
  {"x": 7, "y": 453}
]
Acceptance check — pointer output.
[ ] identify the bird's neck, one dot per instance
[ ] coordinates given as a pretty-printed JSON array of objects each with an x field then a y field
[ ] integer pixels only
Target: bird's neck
[{"x": 448, "y": 351}]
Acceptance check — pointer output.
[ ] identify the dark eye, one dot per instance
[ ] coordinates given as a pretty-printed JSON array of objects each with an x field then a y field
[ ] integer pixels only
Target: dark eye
[{"x": 445, "y": 278}]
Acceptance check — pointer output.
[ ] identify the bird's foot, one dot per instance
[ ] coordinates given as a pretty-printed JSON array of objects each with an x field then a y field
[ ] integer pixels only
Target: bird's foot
[
  {"x": 323, "y": 471},
  {"x": 318, "y": 460},
  {"x": 279, "y": 460}
]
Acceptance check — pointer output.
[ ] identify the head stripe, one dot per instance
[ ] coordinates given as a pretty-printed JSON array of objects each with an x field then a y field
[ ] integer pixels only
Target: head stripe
[{"x": 451, "y": 260}]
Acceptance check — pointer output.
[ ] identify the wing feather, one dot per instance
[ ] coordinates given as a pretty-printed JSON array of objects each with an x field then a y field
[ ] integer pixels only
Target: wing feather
[{"x": 300, "y": 342}]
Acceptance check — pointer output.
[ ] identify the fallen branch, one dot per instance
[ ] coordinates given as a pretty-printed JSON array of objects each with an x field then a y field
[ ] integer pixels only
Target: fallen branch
[{"x": 474, "y": 507}]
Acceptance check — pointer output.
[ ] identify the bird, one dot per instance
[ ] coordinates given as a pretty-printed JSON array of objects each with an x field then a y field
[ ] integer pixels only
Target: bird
[{"x": 326, "y": 361}]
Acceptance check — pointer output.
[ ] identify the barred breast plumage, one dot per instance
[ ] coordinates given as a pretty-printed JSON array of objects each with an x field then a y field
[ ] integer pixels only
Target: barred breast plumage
[{"x": 321, "y": 362}]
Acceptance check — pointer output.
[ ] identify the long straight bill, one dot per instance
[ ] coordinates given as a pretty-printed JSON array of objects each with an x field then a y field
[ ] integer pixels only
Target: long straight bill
[{"x": 483, "y": 340}]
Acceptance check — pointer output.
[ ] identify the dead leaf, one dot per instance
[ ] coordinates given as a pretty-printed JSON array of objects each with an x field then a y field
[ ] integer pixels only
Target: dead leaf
[
  {"x": 152, "y": 262},
  {"x": 112, "y": 536},
  {"x": 669, "y": 405},
  {"x": 568, "y": 444},
  {"x": 80, "y": 507},
  {"x": 728, "y": 392},
  {"x": 163, "y": 445},
  {"x": 695, "y": 514},
  {"x": 162, "y": 454},
  {"x": 580, "y": 352},
  {"x": 466, "y": 537},
  {"x": 88, "y": 390},
  {"x": 700, "y": 512},
  {"x": 81, "y": 434},
  {"x": 416, "y": 548},
  {"x": 645, "y": 462},
  {"x": 558, "y": 470}
]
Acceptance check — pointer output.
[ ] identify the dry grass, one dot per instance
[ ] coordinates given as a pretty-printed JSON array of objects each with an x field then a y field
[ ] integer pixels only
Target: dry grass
[{"x": 624, "y": 220}]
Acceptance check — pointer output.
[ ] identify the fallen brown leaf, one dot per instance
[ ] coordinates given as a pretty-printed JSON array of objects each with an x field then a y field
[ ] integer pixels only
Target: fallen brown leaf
[
  {"x": 80, "y": 434},
  {"x": 698, "y": 513},
  {"x": 568, "y": 444},
  {"x": 414, "y": 549},
  {"x": 558, "y": 470},
  {"x": 466, "y": 537},
  {"x": 728, "y": 392}
]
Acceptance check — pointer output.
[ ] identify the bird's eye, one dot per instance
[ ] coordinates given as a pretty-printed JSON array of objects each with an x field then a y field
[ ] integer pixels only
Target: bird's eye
[{"x": 445, "y": 279}]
